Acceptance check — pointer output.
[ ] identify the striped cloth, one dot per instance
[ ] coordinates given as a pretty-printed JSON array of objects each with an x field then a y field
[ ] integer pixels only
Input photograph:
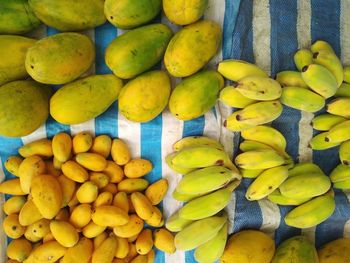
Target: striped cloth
[{"x": 261, "y": 31}]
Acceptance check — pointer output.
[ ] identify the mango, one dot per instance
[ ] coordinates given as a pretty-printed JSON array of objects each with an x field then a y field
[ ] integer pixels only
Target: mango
[
  {"x": 68, "y": 187},
  {"x": 74, "y": 171},
  {"x": 195, "y": 95},
  {"x": 110, "y": 188},
  {"x": 100, "y": 179},
  {"x": 80, "y": 216},
  {"x": 114, "y": 171},
  {"x": 102, "y": 145},
  {"x": 129, "y": 14},
  {"x": 108, "y": 215},
  {"x": 14, "y": 205},
  {"x": 131, "y": 228},
  {"x": 84, "y": 99},
  {"x": 24, "y": 107},
  {"x": 50, "y": 251},
  {"x": 62, "y": 146},
  {"x": 143, "y": 206},
  {"x": 82, "y": 142},
  {"x": 164, "y": 240},
  {"x": 192, "y": 47},
  {"x": 121, "y": 200},
  {"x": 12, "y": 164},
  {"x": 120, "y": 152},
  {"x": 16, "y": 17},
  {"x": 137, "y": 168},
  {"x": 106, "y": 251},
  {"x": 60, "y": 58},
  {"x": 51, "y": 169},
  {"x": 104, "y": 198},
  {"x": 12, "y": 227},
  {"x": 92, "y": 230},
  {"x": 132, "y": 253},
  {"x": 29, "y": 213},
  {"x": 13, "y": 51},
  {"x": 156, "y": 220},
  {"x": 69, "y": 15},
  {"x": 42, "y": 147},
  {"x": 29, "y": 168},
  {"x": 144, "y": 242},
  {"x": 122, "y": 248},
  {"x": 145, "y": 97},
  {"x": 11, "y": 187},
  {"x": 37, "y": 230},
  {"x": 19, "y": 249},
  {"x": 157, "y": 191},
  {"x": 87, "y": 192},
  {"x": 337, "y": 251},
  {"x": 91, "y": 161},
  {"x": 64, "y": 233},
  {"x": 133, "y": 185},
  {"x": 81, "y": 252},
  {"x": 137, "y": 50},
  {"x": 99, "y": 239},
  {"x": 184, "y": 12}
]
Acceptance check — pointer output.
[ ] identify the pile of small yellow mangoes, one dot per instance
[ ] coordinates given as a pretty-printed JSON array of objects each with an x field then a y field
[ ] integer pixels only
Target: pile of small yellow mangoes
[{"x": 70, "y": 201}]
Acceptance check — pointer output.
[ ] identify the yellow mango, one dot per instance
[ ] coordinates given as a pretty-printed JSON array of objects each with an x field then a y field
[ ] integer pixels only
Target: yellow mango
[
  {"x": 132, "y": 228},
  {"x": 106, "y": 251},
  {"x": 48, "y": 252},
  {"x": 80, "y": 216},
  {"x": 29, "y": 213},
  {"x": 64, "y": 233},
  {"x": 186, "y": 55},
  {"x": 87, "y": 192},
  {"x": 42, "y": 147},
  {"x": 91, "y": 161},
  {"x": 111, "y": 187},
  {"x": 62, "y": 146},
  {"x": 156, "y": 220},
  {"x": 139, "y": 259},
  {"x": 81, "y": 252},
  {"x": 30, "y": 167},
  {"x": 14, "y": 204},
  {"x": 102, "y": 145},
  {"x": 100, "y": 179},
  {"x": 56, "y": 163},
  {"x": 133, "y": 238},
  {"x": 132, "y": 253},
  {"x": 114, "y": 171},
  {"x": 37, "y": 230},
  {"x": 184, "y": 12},
  {"x": 122, "y": 248},
  {"x": 19, "y": 249},
  {"x": 12, "y": 227},
  {"x": 120, "y": 152},
  {"x": 121, "y": 200},
  {"x": 336, "y": 251},
  {"x": 24, "y": 107},
  {"x": 137, "y": 168},
  {"x": 50, "y": 168},
  {"x": 82, "y": 142},
  {"x": 164, "y": 240},
  {"x": 60, "y": 58},
  {"x": 108, "y": 215},
  {"x": 85, "y": 99},
  {"x": 11, "y": 187},
  {"x": 75, "y": 171},
  {"x": 144, "y": 242},
  {"x": 145, "y": 97},
  {"x": 133, "y": 185},
  {"x": 104, "y": 198},
  {"x": 92, "y": 230},
  {"x": 47, "y": 195},
  {"x": 151, "y": 256},
  {"x": 63, "y": 214},
  {"x": 99, "y": 239},
  {"x": 48, "y": 237},
  {"x": 68, "y": 189},
  {"x": 143, "y": 207},
  {"x": 156, "y": 191},
  {"x": 12, "y": 164}
]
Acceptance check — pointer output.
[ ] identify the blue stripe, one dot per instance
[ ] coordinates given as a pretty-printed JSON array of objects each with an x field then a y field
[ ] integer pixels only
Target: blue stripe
[
  {"x": 8, "y": 147},
  {"x": 231, "y": 14}
]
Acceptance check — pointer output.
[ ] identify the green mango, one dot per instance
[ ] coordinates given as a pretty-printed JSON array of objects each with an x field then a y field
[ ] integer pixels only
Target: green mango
[
  {"x": 137, "y": 50},
  {"x": 16, "y": 17},
  {"x": 24, "y": 107},
  {"x": 127, "y": 14},
  {"x": 69, "y": 15},
  {"x": 195, "y": 95}
]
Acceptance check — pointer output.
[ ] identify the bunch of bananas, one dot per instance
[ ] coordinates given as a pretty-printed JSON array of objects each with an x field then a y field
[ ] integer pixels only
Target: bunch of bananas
[
  {"x": 210, "y": 177},
  {"x": 254, "y": 93}
]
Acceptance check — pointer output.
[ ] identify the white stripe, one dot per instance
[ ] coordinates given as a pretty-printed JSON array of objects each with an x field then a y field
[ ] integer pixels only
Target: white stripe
[
  {"x": 304, "y": 24},
  {"x": 346, "y": 232},
  {"x": 88, "y": 126},
  {"x": 345, "y": 32},
  {"x": 130, "y": 132},
  {"x": 231, "y": 212},
  {"x": 310, "y": 233},
  {"x": 347, "y": 193},
  {"x": 36, "y": 135},
  {"x": 2, "y": 172},
  {"x": 271, "y": 217},
  {"x": 211, "y": 127}
]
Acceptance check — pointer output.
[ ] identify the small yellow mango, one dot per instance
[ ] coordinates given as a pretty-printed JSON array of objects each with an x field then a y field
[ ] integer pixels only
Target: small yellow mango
[
  {"x": 104, "y": 198},
  {"x": 75, "y": 171},
  {"x": 50, "y": 251},
  {"x": 102, "y": 145},
  {"x": 62, "y": 146},
  {"x": 12, "y": 227},
  {"x": 12, "y": 164},
  {"x": 106, "y": 251},
  {"x": 144, "y": 242},
  {"x": 132, "y": 228},
  {"x": 68, "y": 187},
  {"x": 121, "y": 200},
  {"x": 114, "y": 171},
  {"x": 64, "y": 233},
  {"x": 100, "y": 179},
  {"x": 91, "y": 161},
  {"x": 92, "y": 230},
  {"x": 133, "y": 185},
  {"x": 82, "y": 142},
  {"x": 42, "y": 147},
  {"x": 156, "y": 191},
  {"x": 143, "y": 207},
  {"x": 19, "y": 249},
  {"x": 137, "y": 168},
  {"x": 80, "y": 216},
  {"x": 14, "y": 205},
  {"x": 122, "y": 248},
  {"x": 108, "y": 215},
  {"x": 87, "y": 192},
  {"x": 29, "y": 168},
  {"x": 29, "y": 213},
  {"x": 164, "y": 240},
  {"x": 99, "y": 239},
  {"x": 81, "y": 252},
  {"x": 120, "y": 152}
]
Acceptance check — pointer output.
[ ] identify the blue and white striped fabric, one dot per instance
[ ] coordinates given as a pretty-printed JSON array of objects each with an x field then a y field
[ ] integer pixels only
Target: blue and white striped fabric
[{"x": 261, "y": 31}]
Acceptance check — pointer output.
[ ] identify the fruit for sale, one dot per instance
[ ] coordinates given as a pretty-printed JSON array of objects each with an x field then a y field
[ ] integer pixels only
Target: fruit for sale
[
  {"x": 246, "y": 173},
  {"x": 12, "y": 227},
  {"x": 157, "y": 191},
  {"x": 230, "y": 96},
  {"x": 145, "y": 97},
  {"x": 41, "y": 147},
  {"x": 340, "y": 107},
  {"x": 91, "y": 161},
  {"x": 74, "y": 171},
  {"x": 37, "y": 230},
  {"x": 164, "y": 240},
  {"x": 80, "y": 216},
  {"x": 92, "y": 230},
  {"x": 340, "y": 176},
  {"x": 193, "y": 141},
  {"x": 143, "y": 207},
  {"x": 104, "y": 198},
  {"x": 19, "y": 249},
  {"x": 62, "y": 146},
  {"x": 82, "y": 142},
  {"x": 11, "y": 187},
  {"x": 133, "y": 185},
  {"x": 247, "y": 146},
  {"x": 277, "y": 198},
  {"x": 259, "y": 88},
  {"x": 184, "y": 13},
  {"x": 156, "y": 220},
  {"x": 291, "y": 79},
  {"x": 175, "y": 223},
  {"x": 126, "y": 15},
  {"x": 30, "y": 167},
  {"x": 320, "y": 142},
  {"x": 108, "y": 215},
  {"x": 87, "y": 192},
  {"x": 335, "y": 251},
  {"x": 343, "y": 90},
  {"x": 344, "y": 153},
  {"x": 14, "y": 204},
  {"x": 321, "y": 45},
  {"x": 68, "y": 187},
  {"x": 12, "y": 164},
  {"x": 303, "y": 168},
  {"x": 64, "y": 233},
  {"x": 185, "y": 55},
  {"x": 260, "y": 159},
  {"x": 100, "y": 179},
  {"x": 235, "y": 70},
  {"x": 102, "y": 145},
  {"x": 81, "y": 252},
  {"x": 303, "y": 57},
  {"x": 114, "y": 172},
  {"x": 195, "y": 95},
  {"x": 137, "y": 168},
  {"x": 132, "y": 228},
  {"x": 63, "y": 15},
  {"x": 144, "y": 242},
  {"x": 326, "y": 121},
  {"x": 60, "y": 58},
  {"x": 29, "y": 213},
  {"x": 106, "y": 251},
  {"x": 329, "y": 60},
  {"x": 122, "y": 248},
  {"x": 339, "y": 133}
]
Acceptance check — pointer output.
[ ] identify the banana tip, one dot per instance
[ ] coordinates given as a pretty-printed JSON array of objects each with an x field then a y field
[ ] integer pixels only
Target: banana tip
[
  {"x": 305, "y": 68},
  {"x": 315, "y": 55}
]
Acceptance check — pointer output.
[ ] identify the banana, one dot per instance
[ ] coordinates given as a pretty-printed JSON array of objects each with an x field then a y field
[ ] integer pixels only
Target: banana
[
  {"x": 259, "y": 88},
  {"x": 302, "y": 58},
  {"x": 277, "y": 198},
  {"x": 340, "y": 107},
  {"x": 343, "y": 90},
  {"x": 199, "y": 232},
  {"x": 184, "y": 197},
  {"x": 248, "y": 145},
  {"x": 194, "y": 141},
  {"x": 291, "y": 79},
  {"x": 303, "y": 168},
  {"x": 302, "y": 99},
  {"x": 330, "y": 61},
  {"x": 326, "y": 121},
  {"x": 346, "y": 70},
  {"x": 344, "y": 185},
  {"x": 175, "y": 223},
  {"x": 232, "y": 123},
  {"x": 261, "y": 159},
  {"x": 321, "y": 45},
  {"x": 266, "y": 183},
  {"x": 344, "y": 153},
  {"x": 247, "y": 173},
  {"x": 175, "y": 168},
  {"x": 212, "y": 250},
  {"x": 320, "y": 80},
  {"x": 230, "y": 96},
  {"x": 305, "y": 185},
  {"x": 311, "y": 213},
  {"x": 237, "y": 69},
  {"x": 340, "y": 174},
  {"x": 320, "y": 142},
  {"x": 339, "y": 133}
]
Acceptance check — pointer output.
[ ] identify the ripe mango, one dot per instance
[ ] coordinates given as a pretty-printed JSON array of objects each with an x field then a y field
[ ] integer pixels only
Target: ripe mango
[
  {"x": 145, "y": 97},
  {"x": 337, "y": 251},
  {"x": 12, "y": 164},
  {"x": 42, "y": 147},
  {"x": 14, "y": 204},
  {"x": 100, "y": 179},
  {"x": 82, "y": 142},
  {"x": 80, "y": 216},
  {"x": 12, "y": 227},
  {"x": 64, "y": 233},
  {"x": 81, "y": 252},
  {"x": 84, "y": 99},
  {"x": 50, "y": 251},
  {"x": 29, "y": 213},
  {"x": 19, "y": 249},
  {"x": 24, "y": 107},
  {"x": 184, "y": 12},
  {"x": 29, "y": 168}
]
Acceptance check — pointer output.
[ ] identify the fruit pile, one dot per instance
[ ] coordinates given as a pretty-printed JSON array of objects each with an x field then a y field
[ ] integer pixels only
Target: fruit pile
[{"x": 71, "y": 202}]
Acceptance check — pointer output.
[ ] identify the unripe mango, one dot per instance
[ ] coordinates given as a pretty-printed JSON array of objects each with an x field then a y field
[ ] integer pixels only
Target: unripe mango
[{"x": 184, "y": 12}]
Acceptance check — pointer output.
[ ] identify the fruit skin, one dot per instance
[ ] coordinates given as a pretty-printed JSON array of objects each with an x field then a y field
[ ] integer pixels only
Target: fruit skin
[
  {"x": 30, "y": 167},
  {"x": 259, "y": 159},
  {"x": 81, "y": 252},
  {"x": 114, "y": 172},
  {"x": 311, "y": 213},
  {"x": 320, "y": 142},
  {"x": 11, "y": 187},
  {"x": 122, "y": 248},
  {"x": 80, "y": 216},
  {"x": 326, "y": 121},
  {"x": 303, "y": 168},
  {"x": 330, "y": 60},
  {"x": 145, "y": 97},
  {"x": 60, "y": 58},
  {"x": 62, "y": 146},
  {"x": 193, "y": 141},
  {"x": 157, "y": 191},
  {"x": 41, "y": 147},
  {"x": 87, "y": 192},
  {"x": 339, "y": 133},
  {"x": 50, "y": 249},
  {"x": 104, "y": 198},
  {"x": 231, "y": 97},
  {"x": 143, "y": 207},
  {"x": 23, "y": 100},
  {"x": 121, "y": 200},
  {"x": 120, "y": 152},
  {"x": 126, "y": 15},
  {"x": 74, "y": 171},
  {"x": 184, "y": 13},
  {"x": 12, "y": 164},
  {"x": 14, "y": 205},
  {"x": 175, "y": 223},
  {"x": 344, "y": 153},
  {"x": 137, "y": 168},
  {"x": 184, "y": 197},
  {"x": 100, "y": 179},
  {"x": 246, "y": 173},
  {"x": 246, "y": 246},
  {"x": 340, "y": 173},
  {"x": 343, "y": 90},
  {"x": 37, "y": 230},
  {"x": 185, "y": 55},
  {"x": 102, "y": 145},
  {"x": 296, "y": 249},
  {"x": 131, "y": 228},
  {"x": 92, "y": 230},
  {"x": 108, "y": 215},
  {"x": 235, "y": 70},
  {"x": 335, "y": 251},
  {"x": 291, "y": 79},
  {"x": 68, "y": 187},
  {"x": 133, "y": 185},
  {"x": 321, "y": 45},
  {"x": 277, "y": 198},
  {"x": 137, "y": 50},
  {"x": 169, "y": 161},
  {"x": 339, "y": 107},
  {"x": 29, "y": 213},
  {"x": 12, "y": 227},
  {"x": 106, "y": 251},
  {"x": 64, "y": 233},
  {"x": 320, "y": 80},
  {"x": 302, "y": 58},
  {"x": 68, "y": 15},
  {"x": 92, "y": 161},
  {"x": 164, "y": 241},
  {"x": 195, "y": 95},
  {"x": 144, "y": 242},
  {"x": 19, "y": 249}
]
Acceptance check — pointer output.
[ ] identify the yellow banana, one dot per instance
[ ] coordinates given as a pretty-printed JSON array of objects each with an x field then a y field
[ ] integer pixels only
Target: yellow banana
[
  {"x": 212, "y": 250},
  {"x": 199, "y": 232},
  {"x": 247, "y": 173},
  {"x": 346, "y": 70},
  {"x": 259, "y": 88},
  {"x": 320, "y": 80},
  {"x": 302, "y": 99},
  {"x": 340, "y": 174},
  {"x": 330, "y": 61},
  {"x": 237, "y": 69},
  {"x": 344, "y": 153},
  {"x": 312, "y": 212},
  {"x": 291, "y": 79},
  {"x": 184, "y": 197},
  {"x": 302, "y": 58},
  {"x": 326, "y": 121},
  {"x": 193, "y": 141},
  {"x": 339, "y": 133},
  {"x": 175, "y": 223},
  {"x": 303, "y": 168},
  {"x": 248, "y": 145},
  {"x": 233, "y": 124},
  {"x": 261, "y": 159},
  {"x": 321, "y": 45},
  {"x": 266, "y": 183},
  {"x": 320, "y": 142},
  {"x": 230, "y": 96},
  {"x": 343, "y": 90},
  {"x": 277, "y": 198},
  {"x": 175, "y": 168},
  {"x": 340, "y": 107}
]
